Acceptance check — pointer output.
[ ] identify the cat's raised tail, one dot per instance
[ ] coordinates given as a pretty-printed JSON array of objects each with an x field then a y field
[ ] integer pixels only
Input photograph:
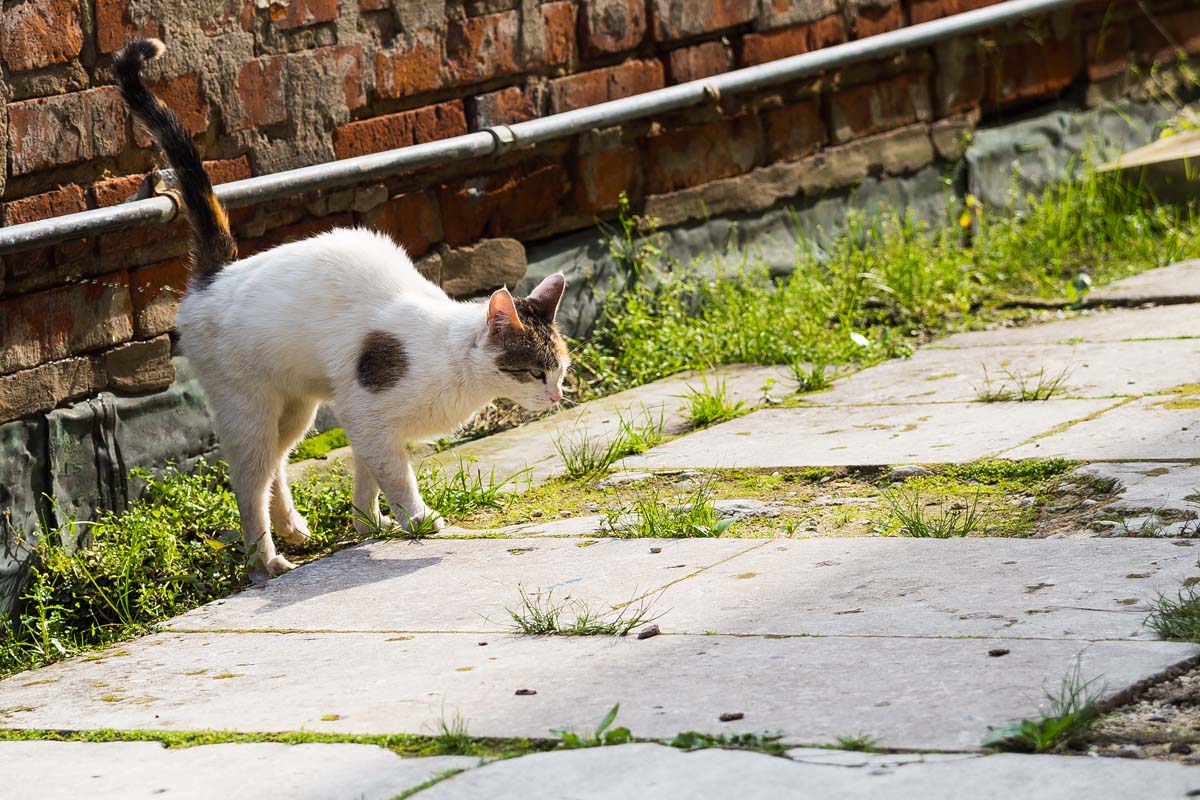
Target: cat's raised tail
[{"x": 214, "y": 244}]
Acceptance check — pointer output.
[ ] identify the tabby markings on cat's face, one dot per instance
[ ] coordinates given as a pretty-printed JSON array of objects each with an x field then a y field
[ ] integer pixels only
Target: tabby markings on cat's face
[{"x": 530, "y": 354}]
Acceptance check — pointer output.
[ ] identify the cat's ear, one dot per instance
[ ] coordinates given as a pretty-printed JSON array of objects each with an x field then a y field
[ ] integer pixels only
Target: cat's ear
[
  {"x": 548, "y": 294},
  {"x": 502, "y": 313}
]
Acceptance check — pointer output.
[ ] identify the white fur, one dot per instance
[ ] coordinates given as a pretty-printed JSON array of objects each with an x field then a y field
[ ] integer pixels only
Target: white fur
[{"x": 276, "y": 334}]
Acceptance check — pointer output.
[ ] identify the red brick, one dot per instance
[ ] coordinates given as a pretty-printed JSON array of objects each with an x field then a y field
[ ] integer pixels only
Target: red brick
[
  {"x": 155, "y": 291},
  {"x": 372, "y": 5},
  {"x": 881, "y": 106},
  {"x": 873, "y": 21},
  {"x": 300, "y": 13},
  {"x": 342, "y": 63},
  {"x": 183, "y": 95},
  {"x": 692, "y": 156},
  {"x": 612, "y": 26},
  {"x": 54, "y": 324},
  {"x": 260, "y": 86},
  {"x": 679, "y": 19},
  {"x": 559, "y": 22},
  {"x": 479, "y": 48},
  {"x": 926, "y": 10},
  {"x": 63, "y": 200},
  {"x": 114, "y": 26},
  {"x": 600, "y": 85},
  {"x": 759, "y": 48},
  {"x": 228, "y": 170},
  {"x": 794, "y": 131},
  {"x": 519, "y": 200},
  {"x": 290, "y": 233},
  {"x": 503, "y": 107},
  {"x": 411, "y": 69},
  {"x": 599, "y": 178},
  {"x": 65, "y": 129},
  {"x": 826, "y": 32},
  {"x": 111, "y": 191},
  {"x": 139, "y": 366},
  {"x": 1030, "y": 70},
  {"x": 413, "y": 220},
  {"x": 46, "y": 386},
  {"x": 1183, "y": 27},
  {"x": 1107, "y": 52},
  {"x": 702, "y": 61},
  {"x": 38, "y": 33},
  {"x": 400, "y": 130},
  {"x": 147, "y": 244}
]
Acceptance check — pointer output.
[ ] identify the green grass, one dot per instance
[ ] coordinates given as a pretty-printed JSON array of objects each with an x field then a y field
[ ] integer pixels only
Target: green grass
[
  {"x": 709, "y": 405},
  {"x": 319, "y": 446},
  {"x": 758, "y": 742},
  {"x": 650, "y": 515},
  {"x": 585, "y": 454},
  {"x": 1021, "y": 386},
  {"x": 860, "y": 743},
  {"x": 1070, "y": 713},
  {"x": 541, "y": 615},
  {"x": 912, "y": 514},
  {"x": 604, "y": 734},
  {"x": 810, "y": 377},
  {"x": 1177, "y": 619}
]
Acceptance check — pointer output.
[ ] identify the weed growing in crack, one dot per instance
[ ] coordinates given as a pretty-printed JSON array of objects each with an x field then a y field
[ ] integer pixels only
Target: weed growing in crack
[
  {"x": 810, "y": 377},
  {"x": 710, "y": 405},
  {"x": 860, "y": 743},
  {"x": 1021, "y": 386},
  {"x": 585, "y": 454},
  {"x": 1177, "y": 619},
  {"x": 452, "y": 737},
  {"x": 1070, "y": 713},
  {"x": 759, "y": 742},
  {"x": 652, "y": 516},
  {"x": 461, "y": 493},
  {"x": 910, "y": 515},
  {"x": 541, "y": 615},
  {"x": 604, "y": 734}
]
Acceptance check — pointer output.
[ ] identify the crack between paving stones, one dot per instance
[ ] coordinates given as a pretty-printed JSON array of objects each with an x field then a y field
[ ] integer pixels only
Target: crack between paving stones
[{"x": 1066, "y": 426}]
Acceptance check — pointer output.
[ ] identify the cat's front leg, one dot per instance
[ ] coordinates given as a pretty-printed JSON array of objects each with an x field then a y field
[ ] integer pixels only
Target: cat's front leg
[{"x": 382, "y": 462}]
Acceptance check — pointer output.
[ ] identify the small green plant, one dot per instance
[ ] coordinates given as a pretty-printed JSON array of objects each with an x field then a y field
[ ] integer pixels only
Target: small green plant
[
  {"x": 760, "y": 742},
  {"x": 910, "y": 515},
  {"x": 1178, "y": 618},
  {"x": 860, "y": 743},
  {"x": 600, "y": 737},
  {"x": 652, "y": 516},
  {"x": 319, "y": 446},
  {"x": 1021, "y": 386},
  {"x": 585, "y": 455},
  {"x": 1070, "y": 713},
  {"x": 452, "y": 737},
  {"x": 710, "y": 405},
  {"x": 462, "y": 493},
  {"x": 810, "y": 377},
  {"x": 541, "y": 615}
]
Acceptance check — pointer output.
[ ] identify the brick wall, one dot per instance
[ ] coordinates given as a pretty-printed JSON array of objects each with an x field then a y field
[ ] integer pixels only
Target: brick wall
[{"x": 266, "y": 86}]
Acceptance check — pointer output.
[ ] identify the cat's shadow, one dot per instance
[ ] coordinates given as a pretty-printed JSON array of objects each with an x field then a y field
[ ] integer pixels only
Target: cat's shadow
[{"x": 348, "y": 569}]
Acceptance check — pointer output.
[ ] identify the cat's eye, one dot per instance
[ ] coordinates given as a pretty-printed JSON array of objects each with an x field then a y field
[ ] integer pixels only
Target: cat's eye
[{"x": 538, "y": 374}]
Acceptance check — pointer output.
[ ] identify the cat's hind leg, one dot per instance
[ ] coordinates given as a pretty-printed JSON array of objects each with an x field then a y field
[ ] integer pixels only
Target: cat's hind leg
[{"x": 294, "y": 422}]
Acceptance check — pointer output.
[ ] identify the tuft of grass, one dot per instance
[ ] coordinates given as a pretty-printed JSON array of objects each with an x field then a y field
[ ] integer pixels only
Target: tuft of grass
[
  {"x": 604, "y": 734},
  {"x": 910, "y": 515},
  {"x": 586, "y": 455},
  {"x": 652, "y": 516},
  {"x": 541, "y": 615},
  {"x": 452, "y": 738},
  {"x": 995, "y": 471},
  {"x": 860, "y": 743},
  {"x": 759, "y": 742},
  {"x": 319, "y": 446},
  {"x": 810, "y": 377},
  {"x": 710, "y": 405},
  {"x": 1177, "y": 619},
  {"x": 462, "y": 493},
  {"x": 1021, "y": 386},
  {"x": 1070, "y": 713}
]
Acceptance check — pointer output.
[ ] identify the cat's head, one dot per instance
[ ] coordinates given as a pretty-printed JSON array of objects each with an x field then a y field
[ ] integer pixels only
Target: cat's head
[{"x": 530, "y": 356}]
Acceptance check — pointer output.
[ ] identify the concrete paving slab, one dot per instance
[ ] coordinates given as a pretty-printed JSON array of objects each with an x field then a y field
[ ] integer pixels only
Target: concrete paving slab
[
  {"x": 1113, "y": 325},
  {"x": 1178, "y": 283},
  {"x": 909, "y": 693},
  {"x": 134, "y": 770},
  {"x": 457, "y": 585},
  {"x": 867, "y": 435},
  {"x": 1145, "y": 429},
  {"x": 651, "y": 770},
  {"x": 1104, "y": 369},
  {"x": 988, "y": 587},
  {"x": 1150, "y": 496}
]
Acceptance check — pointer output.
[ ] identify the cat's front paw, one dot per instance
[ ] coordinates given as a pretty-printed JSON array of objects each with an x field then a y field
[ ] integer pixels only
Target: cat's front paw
[
  {"x": 424, "y": 521},
  {"x": 293, "y": 529},
  {"x": 279, "y": 565},
  {"x": 365, "y": 526}
]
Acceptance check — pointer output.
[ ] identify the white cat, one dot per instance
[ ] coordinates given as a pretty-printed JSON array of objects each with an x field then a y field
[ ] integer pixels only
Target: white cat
[{"x": 344, "y": 317}]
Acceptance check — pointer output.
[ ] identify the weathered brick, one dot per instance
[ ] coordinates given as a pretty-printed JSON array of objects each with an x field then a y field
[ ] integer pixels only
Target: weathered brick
[
  {"x": 874, "y": 107},
  {"x": 411, "y": 219},
  {"x": 759, "y": 48},
  {"x": 926, "y": 10},
  {"x": 34, "y": 266},
  {"x": 400, "y": 130},
  {"x": 794, "y": 131},
  {"x": 343, "y": 63},
  {"x": 183, "y": 95},
  {"x": 600, "y": 85},
  {"x": 479, "y": 48},
  {"x": 558, "y": 20},
  {"x": 67, "y": 129},
  {"x": 1030, "y": 70},
  {"x": 260, "y": 85},
  {"x": 702, "y": 61},
  {"x": 503, "y": 107},
  {"x": 783, "y": 13},
  {"x": 1107, "y": 53},
  {"x": 111, "y": 191},
  {"x": 63, "y": 200},
  {"x": 961, "y": 77},
  {"x": 50, "y": 325},
  {"x": 691, "y": 156},
  {"x": 1183, "y": 27},
  {"x": 300, "y": 13},
  {"x": 679, "y": 19},
  {"x": 139, "y": 366},
  {"x": 599, "y": 178},
  {"x": 411, "y": 69},
  {"x": 290, "y": 233},
  {"x": 612, "y": 26},
  {"x": 372, "y": 5},
  {"x": 47, "y": 386},
  {"x": 482, "y": 267},
  {"x": 874, "y": 20},
  {"x": 228, "y": 170},
  {"x": 114, "y": 25},
  {"x": 514, "y": 201},
  {"x": 38, "y": 33},
  {"x": 155, "y": 292},
  {"x": 826, "y": 31}
]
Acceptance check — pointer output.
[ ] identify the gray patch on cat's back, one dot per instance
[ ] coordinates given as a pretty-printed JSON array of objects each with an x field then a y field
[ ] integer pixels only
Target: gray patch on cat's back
[{"x": 382, "y": 362}]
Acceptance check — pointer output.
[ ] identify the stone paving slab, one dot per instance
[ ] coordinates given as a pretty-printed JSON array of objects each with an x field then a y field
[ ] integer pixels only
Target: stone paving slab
[
  {"x": 1177, "y": 283},
  {"x": 135, "y": 770},
  {"x": 818, "y": 436},
  {"x": 1105, "y": 369},
  {"x": 1116, "y": 325},
  {"x": 1150, "y": 495},
  {"x": 909, "y": 693},
  {"x": 457, "y": 585},
  {"x": 664, "y": 773},
  {"x": 1145, "y": 429},
  {"x": 987, "y": 587}
]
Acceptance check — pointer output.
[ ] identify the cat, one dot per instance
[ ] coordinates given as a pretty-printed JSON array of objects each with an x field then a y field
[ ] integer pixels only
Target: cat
[{"x": 342, "y": 317}]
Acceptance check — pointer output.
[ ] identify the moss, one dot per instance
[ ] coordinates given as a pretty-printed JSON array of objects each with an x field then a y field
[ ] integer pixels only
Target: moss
[{"x": 1190, "y": 402}]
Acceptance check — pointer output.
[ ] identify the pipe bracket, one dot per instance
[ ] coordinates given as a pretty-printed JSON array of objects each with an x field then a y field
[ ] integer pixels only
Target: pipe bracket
[{"x": 505, "y": 138}]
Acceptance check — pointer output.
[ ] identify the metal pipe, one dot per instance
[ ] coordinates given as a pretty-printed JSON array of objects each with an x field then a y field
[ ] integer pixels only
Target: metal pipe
[{"x": 357, "y": 170}]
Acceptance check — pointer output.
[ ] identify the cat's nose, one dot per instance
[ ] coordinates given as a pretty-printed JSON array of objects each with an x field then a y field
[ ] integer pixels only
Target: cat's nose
[{"x": 555, "y": 394}]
